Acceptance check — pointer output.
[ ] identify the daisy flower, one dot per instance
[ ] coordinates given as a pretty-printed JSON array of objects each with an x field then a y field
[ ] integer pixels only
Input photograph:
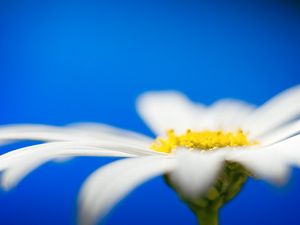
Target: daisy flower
[{"x": 205, "y": 153}]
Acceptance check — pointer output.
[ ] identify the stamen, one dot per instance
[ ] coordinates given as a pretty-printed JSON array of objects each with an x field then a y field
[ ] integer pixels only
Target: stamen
[{"x": 203, "y": 140}]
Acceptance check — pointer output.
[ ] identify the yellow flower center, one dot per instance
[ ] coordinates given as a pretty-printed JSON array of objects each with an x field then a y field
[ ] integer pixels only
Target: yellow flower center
[{"x": 203, "y": 140}]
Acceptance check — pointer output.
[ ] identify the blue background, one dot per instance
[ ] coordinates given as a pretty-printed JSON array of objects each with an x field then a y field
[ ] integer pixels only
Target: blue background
[{"x": 66, "y": 61}]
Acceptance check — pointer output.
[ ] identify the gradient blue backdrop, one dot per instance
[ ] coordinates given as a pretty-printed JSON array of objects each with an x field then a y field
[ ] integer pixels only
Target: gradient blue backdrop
[{"x": 66, "y": 61}]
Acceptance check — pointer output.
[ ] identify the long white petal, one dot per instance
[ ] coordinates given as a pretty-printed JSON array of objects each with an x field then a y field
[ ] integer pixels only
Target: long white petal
[
  {"x": 52, "y": 133},
  {"x": 101, "y": 131},
  {"x": 36, "y": 132},
  {"x": 28, "y": 127},
  {"x": 20, "y": 162},
  {"x": 63, "y": 149},
  {"x": 288, "y": 150},
  {"x": 226, "y": 114},
  {"x": 80, "y": 132},
  {"x": 168, "y": 110},
  {"x": 277, "y": 111},
  {"x": 18, "y": 165},
  {"x": 58, "y": 135},
  {"x": 280, "y": 134},
  {"x": 262, "y": 164},
  {"x": 196, "y": 171},
  {"x": 7, "y": 131},
  {"x": 108, "y": 185},
  {"x": 270, "y": 162}
]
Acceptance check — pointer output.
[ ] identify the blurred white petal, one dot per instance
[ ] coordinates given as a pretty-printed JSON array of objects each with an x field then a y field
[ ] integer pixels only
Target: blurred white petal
[
  {"x": 11, "y": 177},
  {"x": 281, "y": 133},
  {"x": 11, "y": 133},
  {"x": 226, "y": 114},
  {"x": 196, "y": 171},
  {"x": 281, "y": 109},
  {"x": 168, "y": 110},
  {"x": 107, "y": 132},
  {"x": 63, "y": 149},
  {"x": 37, "y": 135},
  {"x": 262, "y": 164},
  {"x": 17, "y": 164},
  {"x": 35, "y": 132},
  {"x": 20, "y": 162},
  {"x": 28, "y": 127},
  {"x": 109, "y": 184},
  {"x": 288, "y": 150},
  {"x": 55, "y": 133}
]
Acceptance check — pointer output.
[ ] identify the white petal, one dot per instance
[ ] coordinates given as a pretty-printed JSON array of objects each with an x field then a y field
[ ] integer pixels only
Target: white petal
[
  {"x": 288, "y": 150},
  {"x": 35, "y": 132},
  {"x": 63, "y": 149},
  {"x": 28, "y": 127},
  {"x": 80, "y": 132},
  {"x": 270, "y": 162},
  {"x": 262, "y": 164},
  {"x": 280, "y": 134},
  {"x": 22, "y": 166},
  {"x": 168, "y": 110},
  {"x": 108, "y": 185},
  {"x": 226, "y": 114},
  {"x": 7, "y": 131},
  {"x": 277, "y": 111},
  {"x": 17, "y": 164},
  {"x": 20, "y": 162},
  {"x": 103, "y": 131},
  {"x": 12, "y": 176},
  {"x": 52, "y": 133},
  {"x": 196, "y": 172}
]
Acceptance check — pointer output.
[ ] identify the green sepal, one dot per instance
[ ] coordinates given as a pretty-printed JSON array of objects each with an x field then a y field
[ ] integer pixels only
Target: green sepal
[{"x": 228, "y": 184}]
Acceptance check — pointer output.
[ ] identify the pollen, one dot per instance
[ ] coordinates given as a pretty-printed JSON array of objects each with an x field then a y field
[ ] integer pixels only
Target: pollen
[{"x": 201, "y": 140}]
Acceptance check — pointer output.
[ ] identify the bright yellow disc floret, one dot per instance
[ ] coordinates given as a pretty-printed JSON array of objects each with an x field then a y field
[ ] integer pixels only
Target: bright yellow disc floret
[{"x": 203, "y": 140}]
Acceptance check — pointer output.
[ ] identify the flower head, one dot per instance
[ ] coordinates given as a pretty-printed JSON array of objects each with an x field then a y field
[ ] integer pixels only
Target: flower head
[{"x": 197, "y": 147}]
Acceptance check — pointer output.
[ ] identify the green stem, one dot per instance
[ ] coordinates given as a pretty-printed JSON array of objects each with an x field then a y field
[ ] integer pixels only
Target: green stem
[{"x": 208, "y": 216}]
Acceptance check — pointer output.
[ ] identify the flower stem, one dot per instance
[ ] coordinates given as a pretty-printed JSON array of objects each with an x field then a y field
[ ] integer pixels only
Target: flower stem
[{"x": 208, "y": 216}]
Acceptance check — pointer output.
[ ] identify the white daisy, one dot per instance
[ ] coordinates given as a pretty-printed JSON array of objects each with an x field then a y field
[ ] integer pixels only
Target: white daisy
[{"x": 205, "y": 153}]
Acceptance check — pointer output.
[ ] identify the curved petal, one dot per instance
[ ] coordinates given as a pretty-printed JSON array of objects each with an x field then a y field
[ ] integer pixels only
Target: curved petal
[
  {"x": 55, "y": 133},
  {"x": 104, "y": 131},
  {"x": 279, "y": 110},
  {"x": 108, "y": 185},
  {"x": 63, "y": 149},
  {"x": 91, "y": 127},
  {"x": 28, "y": 127},
  {"x": 7, "y": 131},
  {"x": 17, "y": 164},
  {"x": 20, "y": 162},
  {"x": 288, "y": 150},
  {"x": 270, "y": 162},
  {"x": 262, "y": 164},
  {"x": 58, "y": 135},
  {"x": 280, "y": 134},
  {"x": 196, "y": 171},
  {"x": 226, "y": 114},
  {"x": 168, "y": 110},
  {"x": 35, "y": 132}
]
